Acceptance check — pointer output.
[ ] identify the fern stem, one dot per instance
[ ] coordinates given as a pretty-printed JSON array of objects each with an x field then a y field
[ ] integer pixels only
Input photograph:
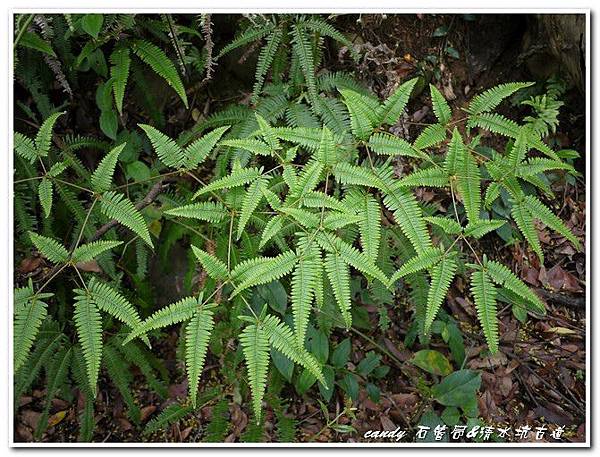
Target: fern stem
[{"x": 85, "y": 189}]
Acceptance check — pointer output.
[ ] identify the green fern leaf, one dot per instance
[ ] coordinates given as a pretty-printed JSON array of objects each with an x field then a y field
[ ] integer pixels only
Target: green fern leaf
[
  {"x": 537, "y": 165},
  {"x": 28, "y": 317},
  {"x": 506, "y": 278},
  {"x": 363, "y": 111},
  {"x": 236, "y": 178},
  {"x": 441, "y": 277},
  {"x": 171, "y": 414},
  {"x": 423, "y": 261},
  {"x": 180, "y": 311},
  {"x": 308, "y": 179},
  {"x": 303, "y": 50},
  {"x": 45, "y": 195},
  {"x": 273, "y": 227},
  {"x": 491, "y": 194},
  {"x": 214, "y": 267},
  {"x": 204, "y": 211},
  {"x": 25, "y": 147},
  {"x": 251, "y": 201},
  {"x": 197, "y": 335},
  {"x": 318, "y": 25},
  {"x": 265, "y": 59},
  {"x": 303, "y": 285},
  {"x": 255, "y": 346},
  {"x": 156, "y": 59},
  {"x": 119, "y": 73},
  {"x": 449, "y": 226},
  {"x": 49, "y": 248},
  {"x": 394, "y": 105},
  {"x": 391, "y": 145},
  {"x": 117, "y": 206},
  {"x": 484, "y": 294},
  {"x": 495, "y": 123},
  {"x": 43, "y": 139},
  {"x": 369, "y": 226},
  {"x": 491, "y": 98},
  {"x": 167, "y": 150},
  {"x": 468, "y": 182},
  {"x": 346, "y": 173},
  {"x": 481, "y": 227},
  {"x": 266, "y": 271},
  {"x": 89, "y": 331},
  {"x": 432, "y": 135},
  {"x": 282, "y": 339},
  {"x": 252, "y": 145},
  {"x": 321, "y": 200},
  {"x": 338, "y": 274},
  {"x": 440, "y": 106},
  {"x": 541, "y": 212},
  {"x": 431, "y": 177},
  {"x": 102, "y": 177},
  {"x": 521, "y": 215},
  {"x": 198, "y": 151},
  {"x": 248, "y": 36},
  {"x": 90, "y": 251}
]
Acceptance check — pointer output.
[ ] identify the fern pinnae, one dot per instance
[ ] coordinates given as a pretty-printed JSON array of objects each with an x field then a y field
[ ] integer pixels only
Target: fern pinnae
[
  {"x": 303, "y": 284},
  {"x": 338, "y": 274},
  {"x": 102, "y": 177},
  {"x": 491, "y": 98},
  {"x": 169, "y": 152},
  {"x": 45, "y": 195},
  {"x": 237, "y": 178},
  {"x": 265, "y": 59},
  {"x": 484, "y": 294},
  {"x": 203, "y": 211},
  {"x": 119, "y": 73},
  {"x": 117, "y": 206},
  {"x": 90, "y": 251},
  {"x": 252, "y": 199},
  {"x": 440, "y": 105},
  {"x": 541, "y": 212},
  {"x": 43, "y": 138},
  {"x": 214, "y": 267},
  {"x": 28, "y": 317},
  {"x": 49, "y": 248},
  {"x": 89, "y": 330},
  {"x": 441, "y": 277},
  {"x": 255, "y": 346},
  {"x": 154, "y": 57},
  {"x": 394, "y": 105},
  {"x": 425, "y": 260},
  {"x": 197, "y": 335},
  {"x": 196, "y": 152}
]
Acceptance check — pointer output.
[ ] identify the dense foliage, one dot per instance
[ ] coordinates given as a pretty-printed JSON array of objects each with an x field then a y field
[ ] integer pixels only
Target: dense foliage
[{"x": 297, "y": 195}]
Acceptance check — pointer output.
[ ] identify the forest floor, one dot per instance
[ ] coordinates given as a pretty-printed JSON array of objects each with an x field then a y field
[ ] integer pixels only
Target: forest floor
[{"x": 539, "y": 375}]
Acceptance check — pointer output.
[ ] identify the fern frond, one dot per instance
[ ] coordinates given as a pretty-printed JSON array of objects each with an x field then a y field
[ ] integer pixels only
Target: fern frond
[
  {"x": 468, "y": 183},
  {"x": 49, "y": 248},
  {"x": 541, "y": 212},
  {"x": 203, "y": 211},
  {"x": 252, "y": 145},
  {"x": 89, "y": 331},
  {"x": 28, "y": 317},
  {"x": 449, "y": 226},
  {"x": 317, "y": 199},
  {"x": 394, "y": 105},
  {"x": 265, "y": 59},
  {"x": 171, "y": 414},
  {"x": 116, "y": 206},
  {"x": 308, "y": 179},
  {"x": 156, "y": 59},
  {"x": 318, "y": 25},
  {"x": 102, "y": 177},
  {"x": 387, "y": 144},
  {"x": 214, "y": 267},
  {"x": 408, "y": 215},
  {"x": 303, "y": 50},
  {"x": 255, "y": 346},
  {"x": 432, "y": 135},
  {"x": 484, "y": 294},
  {"x": 431, "y": 177},
  {"x": 481, "y": 227},
  {"x": 440, "y": 105},
  {"x": 174, "y": 313},
  {"x": 90, "y": 251},
  {"x": 303, "y": 285},
  {"x": 309, "y": 138},
  {"x": 268, "y": 270},
  {"x": 248, "y": 36},
  {"x": 495, "y": 123},
  {"x": 197, "y": 335},
  {"x": 166, "y": 149},
  {"x": 521, "y": 215},
  {"x": 338, "y": 274},
  {"x": 273, "y": 227},
  {"x": 423, "y": 261},
  {"x": 441, "y": 277},
  {"x": 113, "y": 303},
  {"x": 119, "y": 374},
  {"x": 282, "y": 339},
  {"x": 537, "y": 165},
  {"x": 43, "y": 139},
  {"x": 350, "y": 255},
  {"x": 25, "y": 147},
  {"x": 364, "y": 113},
  {"x": 251, "y": 201},
  {"x": 506, "y": 278},
  {"x": 369, "y": 226},
  {"x": 196, "y": 152},
  {"x": 347, "y": 173},
  {"x": 45, "y": 195},
  {"x": 119, "y": 73},
  {"x": 491, "y": 98},
  {"x": 236, "y": 178},
  {"x": 491, "y": 194}
]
